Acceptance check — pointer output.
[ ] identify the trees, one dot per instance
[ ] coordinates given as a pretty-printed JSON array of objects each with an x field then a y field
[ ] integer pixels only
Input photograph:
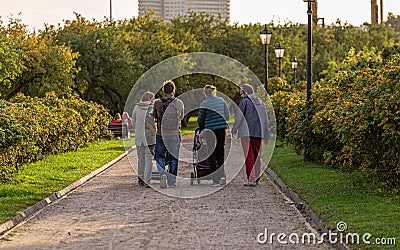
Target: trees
[
  {"x": 32, "y": 64},
  {"x": 393, "y": 21},
  {"x": 101, "y": 61},
  {"x": 106, "y": 66}
]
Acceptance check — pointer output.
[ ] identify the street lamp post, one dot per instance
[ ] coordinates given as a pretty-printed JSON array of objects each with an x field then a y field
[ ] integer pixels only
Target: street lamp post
[
  {"x": 110, "y": 10},
  {"x": 294, "y": 67},
  {"x": 306, "y": 155},
  {"x": 279, "y": 51},
  {"x": 265, "y": 36}
]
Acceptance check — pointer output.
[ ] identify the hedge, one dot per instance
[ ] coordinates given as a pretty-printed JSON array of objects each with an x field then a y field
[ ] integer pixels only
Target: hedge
[
  {"x": 353, "y": 123},
  {"x": 31, "y": 128}
]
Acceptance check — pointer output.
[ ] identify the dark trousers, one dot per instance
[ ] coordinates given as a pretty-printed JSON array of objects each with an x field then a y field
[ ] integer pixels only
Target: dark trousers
[{"x": 216, "y": 145}]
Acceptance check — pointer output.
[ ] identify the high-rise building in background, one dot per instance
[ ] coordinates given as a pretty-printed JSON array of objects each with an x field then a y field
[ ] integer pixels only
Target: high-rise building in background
[
  {"x": 168, "y": 9},
  {"x": 155, "y": 5}
]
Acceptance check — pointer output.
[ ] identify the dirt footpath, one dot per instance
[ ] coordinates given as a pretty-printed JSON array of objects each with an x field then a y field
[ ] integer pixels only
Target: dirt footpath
[{"x": 112, "y": 212}]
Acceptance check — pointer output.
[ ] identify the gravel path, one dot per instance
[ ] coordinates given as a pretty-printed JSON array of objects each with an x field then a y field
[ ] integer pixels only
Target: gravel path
[{"x": 112, "y": 212}]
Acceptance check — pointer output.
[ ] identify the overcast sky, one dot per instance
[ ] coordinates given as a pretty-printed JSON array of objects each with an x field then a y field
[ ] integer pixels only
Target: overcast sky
[{"x": 35, "y": 13}]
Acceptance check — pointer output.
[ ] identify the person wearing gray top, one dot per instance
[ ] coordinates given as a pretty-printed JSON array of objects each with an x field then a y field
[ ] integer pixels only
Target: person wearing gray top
[
  {"x": 145, "y": 137},
  {"x": 251, "y": 126}
]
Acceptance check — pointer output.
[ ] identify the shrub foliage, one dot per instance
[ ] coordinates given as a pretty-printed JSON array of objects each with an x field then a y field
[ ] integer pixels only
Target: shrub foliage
[
  {"x": 31, "y": 128},
  {"x": 353, "y": 119}
]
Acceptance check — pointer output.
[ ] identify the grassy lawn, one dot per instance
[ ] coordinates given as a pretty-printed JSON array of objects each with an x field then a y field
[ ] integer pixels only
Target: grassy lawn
[
  {"x": 336, "y": 196},
  {"x": 191, "y": 126},
  {"x": 38, "y": 180}
]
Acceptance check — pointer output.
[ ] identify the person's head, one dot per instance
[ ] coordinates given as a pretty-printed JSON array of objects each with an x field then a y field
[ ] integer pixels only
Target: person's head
[
  {"x": 117, "y": 116},
  {"x": 210, "y": 90},
  {"x": 125, "y": 115},
  {"x": 169, "y": 87},
  {"x": 147, "y": 96},
  {"x": 246, "y": 89}
]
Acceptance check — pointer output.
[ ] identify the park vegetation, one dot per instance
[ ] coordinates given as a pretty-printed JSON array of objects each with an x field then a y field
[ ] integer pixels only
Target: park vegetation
[
  {"x": 70, "y": 77},
  {"x": 32, "y": 128}
]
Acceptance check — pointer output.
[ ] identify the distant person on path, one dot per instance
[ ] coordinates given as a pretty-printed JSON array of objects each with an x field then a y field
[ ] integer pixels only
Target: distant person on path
[
  {"x": 127, "y": 120},
  {"x": 168, "y": 112},
  {"x": 251, "y": 126},
  {"x": 127, "y": 124},
  {"x": 145, "y": 137},
  {"x": 213, "y": 114},
  {"x": 117, "y": 119}
]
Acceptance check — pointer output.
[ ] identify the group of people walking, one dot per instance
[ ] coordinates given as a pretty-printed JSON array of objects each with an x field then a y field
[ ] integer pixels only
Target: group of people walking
[{"x": 157, "y": 133}]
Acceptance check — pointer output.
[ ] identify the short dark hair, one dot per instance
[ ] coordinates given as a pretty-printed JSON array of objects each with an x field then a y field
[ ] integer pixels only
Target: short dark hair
[
  {"x": 247, "y": 88},
  {"x": 168, "y": 87}
]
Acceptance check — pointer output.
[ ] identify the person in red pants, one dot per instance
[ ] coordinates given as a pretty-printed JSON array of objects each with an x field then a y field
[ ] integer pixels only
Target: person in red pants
[{"x": 252, "y": 127}]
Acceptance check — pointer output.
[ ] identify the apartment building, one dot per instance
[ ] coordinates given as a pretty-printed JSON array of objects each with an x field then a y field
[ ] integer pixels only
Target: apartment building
[{"x": 168, "y": 9}]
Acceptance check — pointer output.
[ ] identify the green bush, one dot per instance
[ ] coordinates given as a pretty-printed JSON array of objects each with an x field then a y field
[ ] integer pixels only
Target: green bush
[
  {"x": 367, "y": 123},
  {"x": 353, "y": 118},
  {"x": 31, "y": 128}
]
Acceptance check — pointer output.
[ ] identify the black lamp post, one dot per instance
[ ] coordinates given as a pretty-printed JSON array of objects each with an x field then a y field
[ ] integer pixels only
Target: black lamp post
[
  {"x": 110, "y": 10},
  {"x": 279, "y": 51},
  {"x": 306, "y": 155},
  {"x": 265, "y": 36},
  {"x": 294, "y": 67}
]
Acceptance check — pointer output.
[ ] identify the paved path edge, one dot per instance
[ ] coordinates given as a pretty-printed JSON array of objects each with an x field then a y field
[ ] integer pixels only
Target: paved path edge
[
  {"x": 302, "y": 206},
  {"x": 24, "y": 215}
]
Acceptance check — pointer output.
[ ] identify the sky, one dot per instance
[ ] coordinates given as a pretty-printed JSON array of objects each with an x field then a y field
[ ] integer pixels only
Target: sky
[{"x": 35, "y": 13}]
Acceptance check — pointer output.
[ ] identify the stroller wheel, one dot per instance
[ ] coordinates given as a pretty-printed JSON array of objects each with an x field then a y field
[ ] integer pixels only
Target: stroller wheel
[{"x": 191, "y": 179}]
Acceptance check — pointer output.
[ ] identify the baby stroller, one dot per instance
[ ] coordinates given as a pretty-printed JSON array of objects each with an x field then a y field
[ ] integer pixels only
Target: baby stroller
[{"x": 201, "y": 166}]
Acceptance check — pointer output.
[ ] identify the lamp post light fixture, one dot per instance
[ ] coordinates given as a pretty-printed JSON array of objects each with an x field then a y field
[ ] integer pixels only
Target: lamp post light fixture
[
  {"x": 294, "y": 67},
  {"x": 306, "y": 156},
  {"x": 265, "y": 36},
  {"x": 279, "y": 51}
]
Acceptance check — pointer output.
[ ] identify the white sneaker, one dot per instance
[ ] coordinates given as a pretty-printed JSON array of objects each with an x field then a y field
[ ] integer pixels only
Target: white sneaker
[
  {"x": 163, "y": 181},
  {"x": 250, "y": 184},
  {"x": 222, "y": 181}
]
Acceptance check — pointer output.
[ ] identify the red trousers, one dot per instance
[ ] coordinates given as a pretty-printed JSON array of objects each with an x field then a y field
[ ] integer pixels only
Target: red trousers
[{"x": 252, "y": 152}]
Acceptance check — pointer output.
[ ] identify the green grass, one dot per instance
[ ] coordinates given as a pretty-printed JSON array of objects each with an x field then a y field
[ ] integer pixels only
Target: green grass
[
  {"x": 38, "y": 180},
  {"x": 337, "y": 196},
  {"x": 191, "y": 126}
]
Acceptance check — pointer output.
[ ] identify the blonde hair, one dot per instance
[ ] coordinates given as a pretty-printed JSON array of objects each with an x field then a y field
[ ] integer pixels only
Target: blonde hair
[
  {"x": 210, "y": 90},
  {"x": 147, "y": 96},
  {"x": 117, "y": 116}
]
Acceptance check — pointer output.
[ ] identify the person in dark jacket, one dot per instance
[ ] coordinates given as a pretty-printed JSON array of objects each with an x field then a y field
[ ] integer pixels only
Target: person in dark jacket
[
  {"x": 251, "y": 126},
  {"x": 212, "y": 117}
]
